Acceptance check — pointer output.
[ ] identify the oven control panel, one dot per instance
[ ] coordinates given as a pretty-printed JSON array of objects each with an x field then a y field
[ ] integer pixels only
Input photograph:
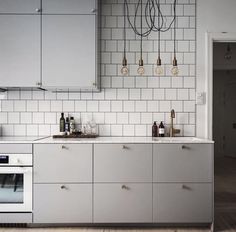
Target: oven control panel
[{"x": 15, "y": 159}]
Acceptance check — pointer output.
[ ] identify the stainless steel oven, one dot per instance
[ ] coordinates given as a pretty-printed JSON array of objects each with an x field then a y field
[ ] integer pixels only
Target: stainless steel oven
[{"x": 15, "y": 183}]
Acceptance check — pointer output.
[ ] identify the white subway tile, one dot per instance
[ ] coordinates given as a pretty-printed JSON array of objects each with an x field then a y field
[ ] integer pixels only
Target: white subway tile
[
  {"x": 110, "y": 118},
  {"x": 19, "y": 130},
  {"x": 117, "y": 82},
  {"x": 128, "y": 130},
  {"x": 104, "y": 106},
  {"x": 80, "y": 106},
  {"x": 165, "y": 82},
  {"x": 116, "y": 106},
  {"x": 92, "y": 106},
  {"x": 129, "y": 82},
  {"x": 189, "y": 130},
  {"x": 99, "y": 118},
  {"x": 129, "y": 106},
  {"x": 177, "y": 106},
  {"x": 122, "y": 94},
  {"x": 189, "y": 106},
  {"x": 13, "y": 118},
  {"x": 44, "y": 130},
  {"x": 171, "y": 94},
  {"x": 140, "y": 130},
  {"x": 122, "y": 118},
  {"x": 3, "y": 117},
  {"x": 50, "y": 118},
  {"x": 38, "y": 95},
  {"x": 26, "y": 118},
  {"x": 32, "y": 130},
  {"x": 38, "y": 118},
  {"x": 134, "y": 94},
  {"x": 44, "y": 106},
  {"x": 146, "y": 94},
  {"x": 153, "y": 106},
  {"x": 165, "y": 106},
  {"x": 116, "y": 130},
  {"x": 7, "y": 105},
  {"x": 182, "y": 94},
  {"x": 140, "y": 106},
  {"x": 104, "y": 130},
  {"x": 19, "y": 105},
  {"x": 56, "y": 106},
  {"x": 134, "y": 118},
  {"x": 182, "y": 118},
  {"x": 146, "y": 118}
]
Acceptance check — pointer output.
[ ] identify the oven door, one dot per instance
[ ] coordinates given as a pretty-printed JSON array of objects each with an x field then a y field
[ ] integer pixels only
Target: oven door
[{"x": 15, "y": 189}]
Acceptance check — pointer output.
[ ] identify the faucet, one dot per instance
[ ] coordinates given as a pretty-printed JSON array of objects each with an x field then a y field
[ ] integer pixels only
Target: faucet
[{"x": 173, "y": 131}]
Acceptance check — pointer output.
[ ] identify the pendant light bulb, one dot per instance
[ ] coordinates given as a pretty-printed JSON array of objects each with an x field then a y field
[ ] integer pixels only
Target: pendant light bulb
[
  {"x": 124, "y": 70},
  {"x": 175, "y": 69},
  {"x": 159, "y": 69},
  {"x": 141, "y": 69}
]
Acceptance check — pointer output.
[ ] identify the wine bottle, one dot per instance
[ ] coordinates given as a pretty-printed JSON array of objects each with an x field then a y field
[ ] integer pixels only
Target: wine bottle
[{"x": 62, "y": 123}]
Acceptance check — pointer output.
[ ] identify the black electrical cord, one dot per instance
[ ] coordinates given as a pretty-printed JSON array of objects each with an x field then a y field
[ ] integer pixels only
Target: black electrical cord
[{"x": 150, "y": 12}]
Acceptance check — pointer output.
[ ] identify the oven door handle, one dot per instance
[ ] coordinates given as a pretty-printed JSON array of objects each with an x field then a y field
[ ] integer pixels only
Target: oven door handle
[{"x": 24, "y": 169}]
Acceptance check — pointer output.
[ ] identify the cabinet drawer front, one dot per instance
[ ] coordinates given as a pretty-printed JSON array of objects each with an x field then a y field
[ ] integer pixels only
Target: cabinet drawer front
[
  {"x": 24, "y": 148},
  {"x": 56, "y": 163},
  {"x": 182, "y": 203},
  {"x": 19, "y": 6},
  {"x": 123, "y": 163},
  {"x": 62, "y": 203},
  {"x": 69, "y": 6},
  {"x": 130, "y": 203},
  {"x": 182, "y": 163}
]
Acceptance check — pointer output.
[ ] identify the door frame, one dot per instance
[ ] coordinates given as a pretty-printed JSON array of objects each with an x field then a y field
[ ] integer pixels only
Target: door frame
[{"x": 212, "y": 37}]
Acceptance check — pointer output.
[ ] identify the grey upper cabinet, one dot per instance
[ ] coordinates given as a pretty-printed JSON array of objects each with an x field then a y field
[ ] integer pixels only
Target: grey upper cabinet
[
  {"x": 69, "y": 51},
  {"x": 19, "y": 43},
  {"x": 69, "y": 7},
  {"x": 50, "y": 44},
  {"x": 20, "y": 6}
]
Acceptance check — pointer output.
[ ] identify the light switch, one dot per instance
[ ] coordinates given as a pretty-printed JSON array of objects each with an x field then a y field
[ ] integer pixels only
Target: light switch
[{"x": 200, "y": 98}]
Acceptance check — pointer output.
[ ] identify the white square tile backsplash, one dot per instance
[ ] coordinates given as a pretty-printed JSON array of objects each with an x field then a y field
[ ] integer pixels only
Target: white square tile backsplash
[{"x": 126, "y": 106}]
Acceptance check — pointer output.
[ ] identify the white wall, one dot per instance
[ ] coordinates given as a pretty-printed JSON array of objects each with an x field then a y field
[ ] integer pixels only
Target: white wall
[
  {"x": 126, "y": 106},
  {"x": 212, "y": 16}
]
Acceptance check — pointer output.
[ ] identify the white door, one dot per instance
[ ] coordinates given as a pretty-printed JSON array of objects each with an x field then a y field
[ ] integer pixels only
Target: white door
[
  {"x": 19, "y": 50},
  {"x": 68, "y": 51}
]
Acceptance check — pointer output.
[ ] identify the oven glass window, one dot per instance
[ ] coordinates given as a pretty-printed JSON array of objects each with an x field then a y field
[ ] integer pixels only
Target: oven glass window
[{"x": 11, "y": 188}]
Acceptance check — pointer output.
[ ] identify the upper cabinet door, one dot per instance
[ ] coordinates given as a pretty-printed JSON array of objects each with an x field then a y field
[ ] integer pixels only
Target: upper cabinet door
[
  {"x": 19, "y": 50},
  {"x": 69, "y": 6},
  {"x": 20, "y": 6},
  {"x": 69, "y": 51}
]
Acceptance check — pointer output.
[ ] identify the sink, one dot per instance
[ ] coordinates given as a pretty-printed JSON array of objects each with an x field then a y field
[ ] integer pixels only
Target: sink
[{"x": 177, "y": 139}]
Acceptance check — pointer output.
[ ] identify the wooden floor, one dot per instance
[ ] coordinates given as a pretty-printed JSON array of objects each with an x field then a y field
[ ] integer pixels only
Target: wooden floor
[
  {"x": 225, "y": 206},
  {"x": 97, "y": 230},
  {"x": 225, "y": 194}
]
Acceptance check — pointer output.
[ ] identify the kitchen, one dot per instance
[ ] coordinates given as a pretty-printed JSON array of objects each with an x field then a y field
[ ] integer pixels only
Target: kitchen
[{"x": 66, "y": 56}]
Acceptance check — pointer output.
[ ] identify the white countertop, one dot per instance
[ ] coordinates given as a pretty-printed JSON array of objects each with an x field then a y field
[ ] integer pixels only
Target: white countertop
[
  {"x": 20, "y": 139},
  {"x": 125, "y": 140}
]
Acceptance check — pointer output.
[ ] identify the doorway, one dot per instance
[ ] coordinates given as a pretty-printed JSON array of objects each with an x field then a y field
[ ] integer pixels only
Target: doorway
[{"x": 224, "y": 133}]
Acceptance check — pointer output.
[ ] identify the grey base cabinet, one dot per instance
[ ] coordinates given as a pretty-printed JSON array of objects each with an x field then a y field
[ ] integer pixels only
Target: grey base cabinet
[
  {"x": 182, "y": 203},
  {"x": 123, "y": 203},
  {"x": 123, "y": 183},
  {"x": 62, "y": 203}
]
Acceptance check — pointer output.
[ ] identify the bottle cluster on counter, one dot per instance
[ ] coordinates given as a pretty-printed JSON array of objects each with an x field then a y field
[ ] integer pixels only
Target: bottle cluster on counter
[
  {"x": 158, "y": 131},
  {"x": 67, "y": 126}
]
